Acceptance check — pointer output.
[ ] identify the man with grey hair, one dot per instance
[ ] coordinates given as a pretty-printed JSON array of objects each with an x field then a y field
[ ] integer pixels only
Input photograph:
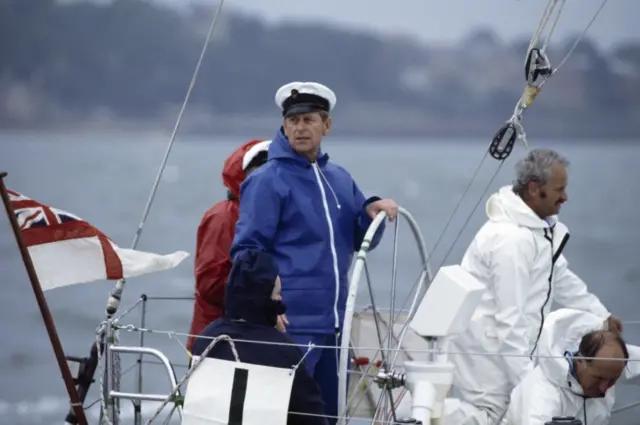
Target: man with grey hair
[{"x": 517, "y": 254}]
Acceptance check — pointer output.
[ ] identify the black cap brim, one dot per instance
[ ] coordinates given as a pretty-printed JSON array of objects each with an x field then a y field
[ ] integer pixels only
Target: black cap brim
[{"x": 302, "y": 108}]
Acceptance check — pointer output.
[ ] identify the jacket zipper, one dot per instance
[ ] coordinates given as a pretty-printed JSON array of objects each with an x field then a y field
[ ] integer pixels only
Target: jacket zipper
[
  {"x": 554, "y": 258},
  {"x": 332, "y": 243}
]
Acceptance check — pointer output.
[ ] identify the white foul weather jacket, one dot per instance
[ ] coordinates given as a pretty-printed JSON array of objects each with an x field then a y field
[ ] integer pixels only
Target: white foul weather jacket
[
  {"x": 518, "y": 256},
  {"x": 551, "y": 389}
]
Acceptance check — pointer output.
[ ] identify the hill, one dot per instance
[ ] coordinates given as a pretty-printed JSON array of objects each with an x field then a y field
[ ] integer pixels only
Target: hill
[{"x": 127, "y": 63}]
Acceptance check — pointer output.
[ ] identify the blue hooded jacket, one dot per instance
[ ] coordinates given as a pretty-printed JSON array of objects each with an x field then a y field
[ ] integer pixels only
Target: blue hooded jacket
[
  {"x": 250, "y": 315},
  {"x": 311, "y": 218}
]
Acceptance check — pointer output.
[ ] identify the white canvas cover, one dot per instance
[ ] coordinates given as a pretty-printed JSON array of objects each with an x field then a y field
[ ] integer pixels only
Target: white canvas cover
[{"x": 222, "y": 392}]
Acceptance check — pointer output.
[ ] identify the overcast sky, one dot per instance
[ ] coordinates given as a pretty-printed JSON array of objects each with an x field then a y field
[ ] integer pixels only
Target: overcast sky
[{"x": 449, "y": 20}]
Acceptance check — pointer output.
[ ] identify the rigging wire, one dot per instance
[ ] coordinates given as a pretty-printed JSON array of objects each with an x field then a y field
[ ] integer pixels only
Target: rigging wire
[
  {"x": 115, "y": 295},
  {"x": 537, "y": 72}
]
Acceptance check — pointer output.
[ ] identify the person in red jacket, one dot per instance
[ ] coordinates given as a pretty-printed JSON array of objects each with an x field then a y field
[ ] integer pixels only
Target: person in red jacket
[{"x": 215, "y": 234}]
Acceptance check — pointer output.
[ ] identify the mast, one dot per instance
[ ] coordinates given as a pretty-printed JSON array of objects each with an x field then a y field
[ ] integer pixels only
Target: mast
[{"x": 76, "y": 404}]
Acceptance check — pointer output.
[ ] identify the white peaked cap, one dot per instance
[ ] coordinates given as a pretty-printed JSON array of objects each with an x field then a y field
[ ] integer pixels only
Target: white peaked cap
[
  {"x": 296, "y": 88},
  {"x": 253, "y": 152}
]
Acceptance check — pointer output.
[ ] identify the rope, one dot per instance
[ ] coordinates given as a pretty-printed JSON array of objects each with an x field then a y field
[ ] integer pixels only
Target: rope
[
  {"x": 128, "y": 309},
  {"x": 626, "y": 407},
  {"x": 105, "y": 419},
  {"x": 116, "y": 373},
  {"x": 546, "y": 15},
  {"x": 580, "y": 37},
  {"x": 468, "y": 220},
  {"x": 132, "y": 328},
  {"x": 533, "y": 87}
]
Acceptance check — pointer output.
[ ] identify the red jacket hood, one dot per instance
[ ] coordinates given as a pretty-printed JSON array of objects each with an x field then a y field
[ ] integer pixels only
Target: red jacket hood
[{"x": 233, "y": 173}]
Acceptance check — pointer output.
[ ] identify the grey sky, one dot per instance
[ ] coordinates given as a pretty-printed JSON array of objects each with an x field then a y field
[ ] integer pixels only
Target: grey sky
[{"x": 449, "y": 20}]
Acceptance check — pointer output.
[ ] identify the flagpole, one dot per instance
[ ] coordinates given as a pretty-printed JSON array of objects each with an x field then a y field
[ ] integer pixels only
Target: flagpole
[{"x": 76, "y": 404}]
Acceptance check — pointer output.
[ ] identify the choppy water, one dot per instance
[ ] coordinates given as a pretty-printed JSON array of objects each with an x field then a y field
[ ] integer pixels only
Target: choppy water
[{"x": 106, "y": 180}]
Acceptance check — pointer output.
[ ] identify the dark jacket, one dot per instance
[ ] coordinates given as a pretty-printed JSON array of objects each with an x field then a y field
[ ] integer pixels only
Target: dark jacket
[{"x": 250, "y": 314}]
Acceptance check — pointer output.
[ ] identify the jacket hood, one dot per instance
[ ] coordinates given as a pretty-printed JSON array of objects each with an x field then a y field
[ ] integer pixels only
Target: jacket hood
[
  {"x": 561, "y": 335},
  {"x": 233, "y": 170},
  {"x": 249, "y": 287},
  {"x": 506, "y": 206},
  {"x": 281, "y": 149}
]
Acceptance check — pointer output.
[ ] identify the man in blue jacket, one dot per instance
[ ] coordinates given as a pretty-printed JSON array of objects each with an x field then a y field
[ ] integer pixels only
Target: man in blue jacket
[
  {"x": 310, "y": 215},
  {"x": 251, "y": 307}
]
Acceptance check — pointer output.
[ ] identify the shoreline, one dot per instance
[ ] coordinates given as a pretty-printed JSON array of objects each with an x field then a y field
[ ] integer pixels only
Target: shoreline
[{"x": 377, "y": 128}]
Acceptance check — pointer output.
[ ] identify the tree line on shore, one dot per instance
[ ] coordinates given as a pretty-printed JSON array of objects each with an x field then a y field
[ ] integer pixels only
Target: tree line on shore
[{"x": 131, "y": 60}]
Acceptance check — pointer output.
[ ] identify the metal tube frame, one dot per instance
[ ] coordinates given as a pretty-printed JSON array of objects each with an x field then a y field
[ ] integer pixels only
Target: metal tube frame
[
  {"x": 138, "y": 397},
  {"x": 113, "y": 395}
]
